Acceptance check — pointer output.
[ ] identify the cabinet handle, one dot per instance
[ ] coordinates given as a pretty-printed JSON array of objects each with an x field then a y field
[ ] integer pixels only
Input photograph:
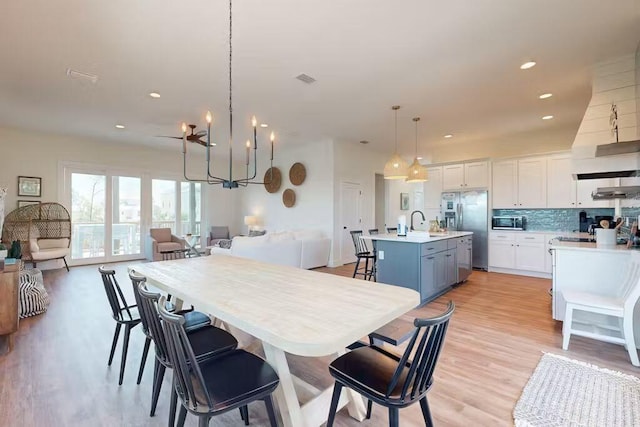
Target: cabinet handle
[
  {"x": 512, "y": 244},
  {"x": 579, "y": 203},
  {"x": 529, "y": 238},
  {"x": 447, "y": 256},
  {"x": 518, "y": 245},
  {"x": 430, "y": 257},
  {"x": 501, "y": 237}
]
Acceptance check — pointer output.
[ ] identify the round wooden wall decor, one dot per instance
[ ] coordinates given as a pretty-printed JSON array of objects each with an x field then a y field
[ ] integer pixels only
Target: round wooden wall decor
[
  {"x": 297, "y": 174},
  {"x": 272, "y": 185},
  {"x": 289, "y": 198}
]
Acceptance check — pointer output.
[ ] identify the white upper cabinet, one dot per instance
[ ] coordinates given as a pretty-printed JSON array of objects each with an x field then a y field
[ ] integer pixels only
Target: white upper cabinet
[
  {"x": 433, "y": 188},
  {"x": 465, "y": 175},
  {"x": 561, "y": 187},
  {"x": 505, "y": 184},
  {"x": 532, "y": 183},
  {"x": 453, "y": 177},
  {"x": 585, "y": 187},
  {"x": 476, "y": 175}
]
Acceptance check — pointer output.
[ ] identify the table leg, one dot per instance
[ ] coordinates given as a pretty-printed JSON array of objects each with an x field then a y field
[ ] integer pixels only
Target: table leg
[
  {"x": 355, "y": 404},
  {"x": 286, "y": 398}
]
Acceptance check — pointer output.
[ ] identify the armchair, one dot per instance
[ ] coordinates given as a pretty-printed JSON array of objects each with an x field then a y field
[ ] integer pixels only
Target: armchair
[
  {"x": 160, "y": 240},
  {"x": 216, "y": 234}
]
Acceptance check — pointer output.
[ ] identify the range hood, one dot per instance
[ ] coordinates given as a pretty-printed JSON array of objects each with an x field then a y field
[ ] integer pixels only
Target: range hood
[
  {"x": 613, "y": 114},
  {"x": 608, "y": 193}
]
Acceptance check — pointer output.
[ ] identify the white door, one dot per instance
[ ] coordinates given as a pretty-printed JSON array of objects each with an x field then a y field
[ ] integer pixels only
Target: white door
[
  {"x": 586, "y": 186},
  {"x": 532, "y": 183},
  {"x": 433, "y": 189},
  {"x": 350, "y": 197},
  {"x": 505, "y": 181},
  {"x": 476, "y": 175},
  {"x": 561, "y": 187},
  {"x": 453, "y": 177}
]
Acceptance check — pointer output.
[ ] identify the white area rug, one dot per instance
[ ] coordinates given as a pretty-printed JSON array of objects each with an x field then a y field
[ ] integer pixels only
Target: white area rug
[{"x": 566, "y": 392}]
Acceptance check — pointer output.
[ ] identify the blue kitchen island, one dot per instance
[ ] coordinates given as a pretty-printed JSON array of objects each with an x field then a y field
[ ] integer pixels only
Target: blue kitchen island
[{"x": 429, "y": 264}]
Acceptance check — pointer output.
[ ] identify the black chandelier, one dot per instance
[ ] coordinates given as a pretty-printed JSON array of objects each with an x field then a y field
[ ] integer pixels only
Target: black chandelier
[{"x": 210, "y": 177}]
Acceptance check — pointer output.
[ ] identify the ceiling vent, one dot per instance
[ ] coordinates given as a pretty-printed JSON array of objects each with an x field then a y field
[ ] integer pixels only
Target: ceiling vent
[
  {"x": 306, "y": 78},
  {"x": 79, "y": 75}
]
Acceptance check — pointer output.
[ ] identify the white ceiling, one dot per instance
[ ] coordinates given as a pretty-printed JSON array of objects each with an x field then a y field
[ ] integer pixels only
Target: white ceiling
[{"x": 454, "y": 63}]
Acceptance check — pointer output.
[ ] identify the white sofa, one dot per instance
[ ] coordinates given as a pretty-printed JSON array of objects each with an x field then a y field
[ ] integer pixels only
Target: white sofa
[{"x": 302, "y": 248}]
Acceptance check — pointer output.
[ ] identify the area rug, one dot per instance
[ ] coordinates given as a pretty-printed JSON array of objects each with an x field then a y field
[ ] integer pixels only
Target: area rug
[{"x": 566, "y": 392}]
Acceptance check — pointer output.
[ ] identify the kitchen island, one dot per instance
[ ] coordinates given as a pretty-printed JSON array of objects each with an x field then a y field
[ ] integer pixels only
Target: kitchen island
[
  {"x": 429, "y": 264},
  {"x": 586, "y": 267}
]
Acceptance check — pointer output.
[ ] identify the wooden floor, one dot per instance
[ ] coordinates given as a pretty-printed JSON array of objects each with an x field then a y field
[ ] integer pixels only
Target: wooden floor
[{"x": 57, "y": 373}]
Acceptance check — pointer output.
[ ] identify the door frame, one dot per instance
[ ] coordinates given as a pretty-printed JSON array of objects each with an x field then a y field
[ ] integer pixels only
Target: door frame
[{"x": 353, "y": 186}]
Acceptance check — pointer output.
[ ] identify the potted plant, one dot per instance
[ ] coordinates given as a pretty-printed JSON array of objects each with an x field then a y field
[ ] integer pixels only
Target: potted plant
[{"x": 3, "y": 251}]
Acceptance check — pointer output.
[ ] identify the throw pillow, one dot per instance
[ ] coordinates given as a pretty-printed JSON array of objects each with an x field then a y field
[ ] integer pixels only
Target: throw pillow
[
  {"x": 225, "y": 244},
  {"x": 255, "y": 233}
]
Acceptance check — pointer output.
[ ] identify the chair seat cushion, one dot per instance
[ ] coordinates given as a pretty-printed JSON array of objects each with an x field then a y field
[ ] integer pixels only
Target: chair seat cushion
[
  {"x": 169, "y": 246},
  {"x": 236, "y": 378},
  {"x": 593, "y": 300},
  {"x": 209, "y": 341},
  {"x": 195, "y": 320},
  {"x": 369, "y": 371},
  {"x": 46, "y": 254}
]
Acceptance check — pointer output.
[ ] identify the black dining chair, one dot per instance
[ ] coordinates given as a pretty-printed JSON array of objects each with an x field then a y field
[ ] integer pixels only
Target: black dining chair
[
  {"x": 210, "y": 387},
  {"x": 362, "y": 253},
  {"x": 194, "y": 319},
  {"x": 123, "y": 314},
  {"x": 392, "y": 230},
  {"x": 206, "y": 342},
  {"x": 391, "y": 380}
]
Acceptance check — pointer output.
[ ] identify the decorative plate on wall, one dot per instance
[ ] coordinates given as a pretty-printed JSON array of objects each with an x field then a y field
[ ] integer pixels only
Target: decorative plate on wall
[
  {"x": 289, "y": 197},
  {"x": 272, "y": 184},
  {"x": 297, "y": 174}
]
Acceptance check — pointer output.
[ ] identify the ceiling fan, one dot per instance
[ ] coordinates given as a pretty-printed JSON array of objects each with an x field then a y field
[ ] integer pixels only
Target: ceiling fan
[{"x": 193, "y": 137}]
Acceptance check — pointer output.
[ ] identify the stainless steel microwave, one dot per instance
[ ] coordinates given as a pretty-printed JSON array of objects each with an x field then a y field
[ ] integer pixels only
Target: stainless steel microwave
[{"x": 508, "y": 223}]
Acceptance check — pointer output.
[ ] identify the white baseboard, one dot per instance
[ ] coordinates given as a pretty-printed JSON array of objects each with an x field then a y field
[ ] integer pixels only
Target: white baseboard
[{"x": 538, "y": 274}]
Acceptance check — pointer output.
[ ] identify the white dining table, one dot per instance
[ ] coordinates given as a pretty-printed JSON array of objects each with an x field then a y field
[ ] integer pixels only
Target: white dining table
[{"x": 290, "y": 310}]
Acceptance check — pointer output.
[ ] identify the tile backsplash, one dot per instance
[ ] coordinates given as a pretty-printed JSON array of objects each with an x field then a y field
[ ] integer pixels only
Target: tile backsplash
[{"x": 555, "y": 219}]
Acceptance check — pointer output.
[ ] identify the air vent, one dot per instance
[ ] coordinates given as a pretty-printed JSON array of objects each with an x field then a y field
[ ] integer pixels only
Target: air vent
[
  {"x": 79, "y": 75},
  {"x": 306, "y": 78}
]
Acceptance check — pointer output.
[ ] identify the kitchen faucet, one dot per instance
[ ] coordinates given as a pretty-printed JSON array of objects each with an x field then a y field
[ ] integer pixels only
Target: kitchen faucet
[{"x": 421, "y": 214}]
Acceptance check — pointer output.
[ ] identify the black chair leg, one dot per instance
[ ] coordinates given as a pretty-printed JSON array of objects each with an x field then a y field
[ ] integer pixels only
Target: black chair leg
[
  {"x": 116, "y": 334},
  {"x": 369, "y": 408},
  {"x": 244, "y": 413},
  {"x": 157, "y": 385},
  {"x": 394, "y": 420},
  {"x": 172, "y": 408},
  {"x": 203, "y": 421},
  {"x": 426, "y": 413},
  {"x": 268, "y": 401},
  {"x": 125, "y": 348},
  {"x": 145, "y": 351},
  {"x": 355, "y": 270},
  {"x": 181, "y": 416},
  {"x": 337, "y": 388},
  {"x": 366, "y": 269},
  {"x": 65, "y": 264}
]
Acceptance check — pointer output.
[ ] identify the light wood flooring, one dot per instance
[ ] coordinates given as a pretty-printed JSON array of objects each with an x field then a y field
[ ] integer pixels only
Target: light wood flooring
[{"x": 57, "y": 374}]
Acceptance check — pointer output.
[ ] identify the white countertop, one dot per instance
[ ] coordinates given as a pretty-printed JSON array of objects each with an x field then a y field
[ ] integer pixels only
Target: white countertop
[
  {"x": 419, "y": 238},
  {"x": 588, "y": 246}
]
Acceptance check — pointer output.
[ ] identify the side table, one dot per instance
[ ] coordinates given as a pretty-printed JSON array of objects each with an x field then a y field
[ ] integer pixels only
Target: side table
[
  {"x": 8, "y": 306},
  {"x": 191, "y": 241}
]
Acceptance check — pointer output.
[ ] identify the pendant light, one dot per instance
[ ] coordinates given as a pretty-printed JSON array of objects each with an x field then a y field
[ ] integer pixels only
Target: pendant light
[
  {"x": 396, "y": 167},
  {"x": 417, "y": 172}
]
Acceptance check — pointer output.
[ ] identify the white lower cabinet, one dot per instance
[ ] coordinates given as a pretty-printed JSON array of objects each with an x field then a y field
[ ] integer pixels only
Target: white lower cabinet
[{"x": 518, "y": 251}]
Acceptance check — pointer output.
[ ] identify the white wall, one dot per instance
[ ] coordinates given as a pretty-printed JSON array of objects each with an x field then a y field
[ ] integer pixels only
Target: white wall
[
  {"x": 314, "y": 198},
  {"x": 30, "y": 153}
]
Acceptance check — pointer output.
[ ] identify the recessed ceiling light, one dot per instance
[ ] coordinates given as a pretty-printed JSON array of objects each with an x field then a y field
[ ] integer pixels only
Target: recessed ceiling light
[
  {"x": 264, "y": 125},
  {"x": 119, "y": 126},
  {"x": 448, "y": 135},
  {"x": 545, "y": 95},
  {"x": 154, "y": 95},
  {"x": 528, "y": 65},
  {"x": 547, "y": 117},
  {"x": 419, "y": 158}
]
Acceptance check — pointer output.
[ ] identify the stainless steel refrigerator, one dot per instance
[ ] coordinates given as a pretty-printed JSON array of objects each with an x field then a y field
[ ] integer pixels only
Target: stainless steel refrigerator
[{"x": 469, "y": 211}]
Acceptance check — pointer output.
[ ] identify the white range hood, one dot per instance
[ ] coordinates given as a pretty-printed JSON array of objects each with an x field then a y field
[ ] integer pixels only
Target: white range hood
[{"x": 595, "y": 152}]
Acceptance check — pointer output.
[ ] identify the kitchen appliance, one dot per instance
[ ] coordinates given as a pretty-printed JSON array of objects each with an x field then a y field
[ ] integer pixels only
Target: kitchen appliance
[
  {"x": 509, "y": 223},
  {"x": 468, "y": 211}
]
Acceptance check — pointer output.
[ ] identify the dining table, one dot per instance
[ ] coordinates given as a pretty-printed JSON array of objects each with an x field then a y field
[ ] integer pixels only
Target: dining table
[{"x": 290, "y": 310}]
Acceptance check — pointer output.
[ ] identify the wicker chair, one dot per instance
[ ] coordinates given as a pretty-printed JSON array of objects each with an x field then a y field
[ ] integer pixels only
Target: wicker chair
[{"x": 43, "y": 230}]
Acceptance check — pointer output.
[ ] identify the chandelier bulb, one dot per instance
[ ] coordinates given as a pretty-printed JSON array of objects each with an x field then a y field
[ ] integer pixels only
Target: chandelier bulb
[
  {"x": 209, "y": 117},
  {"x": 273, "y": 136},
  {"x": 248, "y": 143},
  {"x": 254, "y": 121},
  {"x": 184, "y": 127}
]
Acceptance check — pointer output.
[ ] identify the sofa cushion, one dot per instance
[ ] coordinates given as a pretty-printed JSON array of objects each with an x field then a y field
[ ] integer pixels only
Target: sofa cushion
[
  {"x": 44, "y": 244},
  {"x": 224, "y": 243},
  {"x": 308, "y": 234},
  {"x": 169, "y": 246},
  {"x": 33, "y": 245},
  {"x": 281, "y": 236},
  {"x": 161, "y": 235},
  {"x": 256, "y": 233}
]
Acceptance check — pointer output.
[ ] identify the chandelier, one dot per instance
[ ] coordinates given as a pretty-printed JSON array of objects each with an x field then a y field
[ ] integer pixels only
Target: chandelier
[
  {"x": 417, "y": 172},
  {"x": 396, "y": 167},
  {"x": 229, "y": 181}
]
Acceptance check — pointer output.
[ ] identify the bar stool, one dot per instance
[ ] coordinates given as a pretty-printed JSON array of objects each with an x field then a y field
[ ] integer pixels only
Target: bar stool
[
  {"x": 362, "y": 252},
  {"x": 392, "y": 230}
]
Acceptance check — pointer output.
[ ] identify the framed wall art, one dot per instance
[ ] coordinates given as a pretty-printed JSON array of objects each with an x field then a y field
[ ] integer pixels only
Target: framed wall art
[
  {"x": 23, "y": 203},
  {"x": 29, "y": 186}
]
